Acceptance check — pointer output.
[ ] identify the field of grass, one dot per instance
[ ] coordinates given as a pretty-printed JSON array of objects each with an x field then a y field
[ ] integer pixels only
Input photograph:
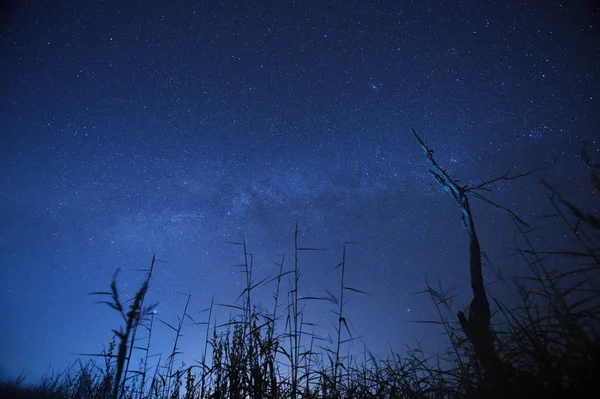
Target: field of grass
[{"x": 544, "y": 344}]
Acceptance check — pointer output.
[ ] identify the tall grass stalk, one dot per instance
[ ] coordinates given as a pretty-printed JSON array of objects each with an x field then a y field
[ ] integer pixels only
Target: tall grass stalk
[{"x": 132, "y": 319}]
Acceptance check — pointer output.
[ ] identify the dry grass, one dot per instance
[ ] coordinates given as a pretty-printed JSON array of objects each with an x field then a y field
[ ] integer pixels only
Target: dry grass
[{"x": 546, "y": 342}]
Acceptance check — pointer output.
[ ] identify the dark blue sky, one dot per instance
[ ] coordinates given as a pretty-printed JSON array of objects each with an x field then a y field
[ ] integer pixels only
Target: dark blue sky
[{"x": 136, "y": 128}]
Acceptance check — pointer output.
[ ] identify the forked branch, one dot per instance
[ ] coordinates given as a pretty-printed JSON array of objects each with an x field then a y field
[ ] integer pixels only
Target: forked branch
[{"x": 476, "y": 327}]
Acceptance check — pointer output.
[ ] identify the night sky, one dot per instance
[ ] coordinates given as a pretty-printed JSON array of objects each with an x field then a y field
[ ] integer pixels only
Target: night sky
[{"x": 134, "y": 128}]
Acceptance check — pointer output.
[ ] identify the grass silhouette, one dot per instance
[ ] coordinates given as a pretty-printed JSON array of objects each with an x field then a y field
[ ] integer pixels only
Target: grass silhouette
[{"x": 546, "y": 343}]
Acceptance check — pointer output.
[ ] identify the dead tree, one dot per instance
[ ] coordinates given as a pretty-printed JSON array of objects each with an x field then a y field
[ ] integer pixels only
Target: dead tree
[{"x": 476, "y": 326}]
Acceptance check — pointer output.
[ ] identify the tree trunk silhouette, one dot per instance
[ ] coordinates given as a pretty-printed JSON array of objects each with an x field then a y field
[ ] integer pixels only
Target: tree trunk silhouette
[{"x": 476, "y": 326}]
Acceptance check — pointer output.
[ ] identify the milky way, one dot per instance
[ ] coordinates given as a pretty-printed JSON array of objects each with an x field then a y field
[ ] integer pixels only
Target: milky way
[{"x": 158, "y": 128}]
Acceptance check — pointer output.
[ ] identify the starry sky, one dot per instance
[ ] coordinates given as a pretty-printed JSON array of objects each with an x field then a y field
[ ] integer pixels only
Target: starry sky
[{"x": 133, "y": 128}]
